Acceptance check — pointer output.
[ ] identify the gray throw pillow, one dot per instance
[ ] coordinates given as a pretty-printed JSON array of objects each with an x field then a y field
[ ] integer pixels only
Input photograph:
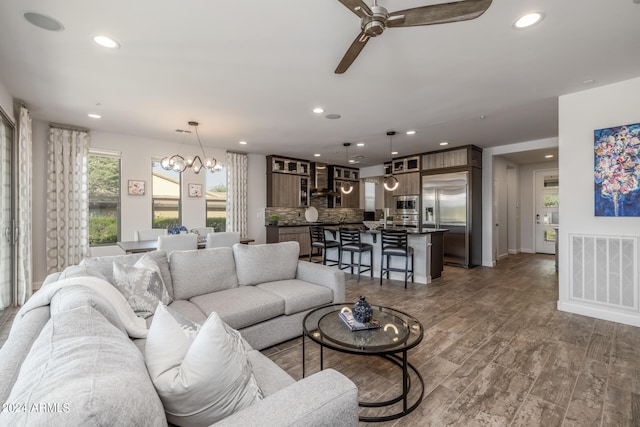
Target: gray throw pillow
[{"x": 142, "y": 285}]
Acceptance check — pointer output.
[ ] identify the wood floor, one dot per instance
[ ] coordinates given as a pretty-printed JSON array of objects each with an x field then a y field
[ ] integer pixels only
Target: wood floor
[{"x": 496, "y": 352}]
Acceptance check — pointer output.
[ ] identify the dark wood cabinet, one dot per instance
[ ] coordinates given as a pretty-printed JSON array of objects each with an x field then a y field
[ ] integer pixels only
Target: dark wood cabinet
[
  {"x": 299, "y": 234},
  {"x": 288, "y": 182}
]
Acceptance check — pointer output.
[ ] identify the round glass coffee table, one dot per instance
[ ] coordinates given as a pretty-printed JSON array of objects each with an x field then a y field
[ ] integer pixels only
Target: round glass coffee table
[{"x": 398, "y": 333}]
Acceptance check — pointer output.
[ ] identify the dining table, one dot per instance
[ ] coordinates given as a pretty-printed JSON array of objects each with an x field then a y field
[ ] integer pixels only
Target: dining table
[{"x": 137, "y": 246}]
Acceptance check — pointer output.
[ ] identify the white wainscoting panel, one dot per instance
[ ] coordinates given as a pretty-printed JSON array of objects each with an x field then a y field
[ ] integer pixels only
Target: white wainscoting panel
[{"x": 604, "y": 270}]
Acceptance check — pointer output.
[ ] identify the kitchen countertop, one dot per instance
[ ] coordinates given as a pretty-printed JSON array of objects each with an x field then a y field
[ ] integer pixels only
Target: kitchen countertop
[{"x": 334, "y": 225}]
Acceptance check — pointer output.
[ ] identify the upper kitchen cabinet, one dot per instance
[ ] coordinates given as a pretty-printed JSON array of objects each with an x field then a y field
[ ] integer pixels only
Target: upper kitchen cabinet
[
  {"x": 287, "y": 182},
  {"x": 451, "y": 158},
  {"x": 339, "y": 175}
]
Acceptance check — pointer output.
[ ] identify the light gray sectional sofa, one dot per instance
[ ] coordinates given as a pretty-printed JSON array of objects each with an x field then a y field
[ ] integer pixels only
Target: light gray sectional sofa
[{"x": 75, "y": 356}]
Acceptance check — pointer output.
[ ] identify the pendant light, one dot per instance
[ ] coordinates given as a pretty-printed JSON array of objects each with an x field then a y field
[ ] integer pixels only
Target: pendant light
[
  {"x": 346, "y": 186},
  {"x": 179, "y": 163},
  {"x": 391, "y": 182}
]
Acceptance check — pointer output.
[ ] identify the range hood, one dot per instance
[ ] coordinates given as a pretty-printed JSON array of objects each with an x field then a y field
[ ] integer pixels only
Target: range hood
[{"x": 320, "y": 173}]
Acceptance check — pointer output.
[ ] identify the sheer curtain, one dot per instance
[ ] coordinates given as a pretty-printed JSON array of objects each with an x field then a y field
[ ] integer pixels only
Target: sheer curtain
[
  {"x": 67, "y": 198},
  {"x": 6, "y": 287},
  {"x": 25, "y": 173},
  {"x": 237, "y": 174}
]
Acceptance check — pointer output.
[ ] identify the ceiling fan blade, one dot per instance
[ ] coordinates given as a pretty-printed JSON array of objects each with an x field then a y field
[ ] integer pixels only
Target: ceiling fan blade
[
  {"x": 352, "y": 53},
  {"x": 439, "y": 13},
  {"x": 358, "y": 7}
]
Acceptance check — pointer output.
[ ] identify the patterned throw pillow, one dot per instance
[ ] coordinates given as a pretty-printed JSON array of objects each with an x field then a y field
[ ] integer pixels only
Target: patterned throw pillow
[
  {"x": 141, "y": 284},
  {"x": 201, "y": 378}
]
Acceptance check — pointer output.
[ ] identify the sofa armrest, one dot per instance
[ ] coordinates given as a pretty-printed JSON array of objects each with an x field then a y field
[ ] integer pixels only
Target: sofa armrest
[
  {"x": 323, "y": 275},
  {"x": 326, "y": 398}
]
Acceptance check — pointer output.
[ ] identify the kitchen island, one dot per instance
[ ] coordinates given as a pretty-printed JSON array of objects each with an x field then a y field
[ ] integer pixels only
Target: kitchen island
[{"x": 427, "y": 247}]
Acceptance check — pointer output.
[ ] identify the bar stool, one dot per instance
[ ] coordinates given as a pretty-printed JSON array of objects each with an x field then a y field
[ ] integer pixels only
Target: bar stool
[
  {"x": 350, "y": 242},
  {"x": 395, "y": 243},
  {"x": 319, "y": 241}
]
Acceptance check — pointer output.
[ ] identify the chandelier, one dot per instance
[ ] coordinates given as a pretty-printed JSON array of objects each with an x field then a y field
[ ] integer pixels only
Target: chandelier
[
  {"x": 391, "y": 182},
  {"x": 179, "y": 163}
]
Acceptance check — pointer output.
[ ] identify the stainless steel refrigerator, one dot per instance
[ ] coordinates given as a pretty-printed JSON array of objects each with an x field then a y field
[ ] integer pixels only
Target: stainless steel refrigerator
[{"x": 445, "y": 202}]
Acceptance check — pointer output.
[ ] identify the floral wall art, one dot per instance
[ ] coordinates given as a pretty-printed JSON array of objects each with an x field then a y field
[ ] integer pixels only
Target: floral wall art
[{"x": 617, "y": 171}]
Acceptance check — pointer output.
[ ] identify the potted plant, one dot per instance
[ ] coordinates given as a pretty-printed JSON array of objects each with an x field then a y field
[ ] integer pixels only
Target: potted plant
[{"x": 273, "y": 220}]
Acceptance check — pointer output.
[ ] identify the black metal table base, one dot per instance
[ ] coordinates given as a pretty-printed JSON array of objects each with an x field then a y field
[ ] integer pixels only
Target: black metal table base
[{"x": 405, "y": 366}]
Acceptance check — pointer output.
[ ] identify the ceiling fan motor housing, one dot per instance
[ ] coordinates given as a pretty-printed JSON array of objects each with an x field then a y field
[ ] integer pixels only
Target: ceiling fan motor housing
[{"x": 375, "y": 24}]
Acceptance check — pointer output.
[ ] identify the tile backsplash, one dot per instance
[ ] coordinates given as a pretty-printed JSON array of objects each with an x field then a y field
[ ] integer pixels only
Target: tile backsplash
[{"x": 295, "y": 216}]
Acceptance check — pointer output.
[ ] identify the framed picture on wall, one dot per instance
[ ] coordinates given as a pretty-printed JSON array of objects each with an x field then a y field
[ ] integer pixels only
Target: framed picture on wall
[
  {"x": 616, "y": 171},
  {"x": 195, "y": 190},
  {"x": 136, "y": 188}
]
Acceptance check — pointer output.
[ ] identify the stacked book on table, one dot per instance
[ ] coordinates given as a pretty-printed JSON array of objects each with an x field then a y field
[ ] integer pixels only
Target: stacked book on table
[{"x": 354, "y": 325}]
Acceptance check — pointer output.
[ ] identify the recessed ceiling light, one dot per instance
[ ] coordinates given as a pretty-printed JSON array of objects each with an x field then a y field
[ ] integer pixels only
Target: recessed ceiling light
[
  {"x": 360, "y": 144},
  {"x": 333, "y": 116},
  {"x": 242, "y": 142},
  {"x": 318, "y": 110},
  {"x": 43, "y": 21},
  {"x": 94, "y": 116},
  {"x": 351, "y": 161},
  {"x": 316, "y": 155},
  {"x": 394, "y": 153},
  {"x": 588, "y": 82},
  {"x": 105, "y": 41},
  {"x": 483, "y": 117},
  {"x": 528, "y": 20},
  {"x": 444, "y": 143},
  {"x": 411, "y": 132},
  {"x": 549, "y": 156}
]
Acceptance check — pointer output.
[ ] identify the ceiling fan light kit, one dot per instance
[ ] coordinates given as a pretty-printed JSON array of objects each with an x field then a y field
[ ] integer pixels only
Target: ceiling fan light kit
[{"x": 375, "y": 19}]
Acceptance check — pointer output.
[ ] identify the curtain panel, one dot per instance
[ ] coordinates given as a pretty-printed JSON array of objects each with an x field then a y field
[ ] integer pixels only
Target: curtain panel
[
  {"x": 25, "y": 178},
  {"x": 237, "y": 176},
  {"x": 67, "y": 198},
  {"x": 5, "y": 196}
]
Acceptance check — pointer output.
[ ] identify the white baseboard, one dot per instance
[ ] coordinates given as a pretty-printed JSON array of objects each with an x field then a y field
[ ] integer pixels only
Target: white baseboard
[
  {"x": 502, "y": 256},
  {"x": 514, "y": 251},
  {"x": 627, "y": 318},
  {"x": 527, "y": 251}
]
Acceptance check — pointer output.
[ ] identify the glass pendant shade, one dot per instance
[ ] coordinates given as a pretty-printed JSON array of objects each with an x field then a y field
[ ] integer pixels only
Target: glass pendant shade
[
  {"x": 346, "y": 188},
  {"x": 179, "y": 164},
  {"x": 391, "y": 183}
]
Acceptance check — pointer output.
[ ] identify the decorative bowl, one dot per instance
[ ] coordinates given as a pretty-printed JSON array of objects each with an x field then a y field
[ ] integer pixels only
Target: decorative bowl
[{"x": 371, "y": 225}]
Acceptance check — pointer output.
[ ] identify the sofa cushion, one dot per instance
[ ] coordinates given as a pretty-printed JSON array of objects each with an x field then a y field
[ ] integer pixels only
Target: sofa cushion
[
  {"x": 188, "y": 310},
  {"x": 202, "y": 376},
  {"x": 142, "y": 286},
  {"x": 266, "y": 263},
  {"x": 202, "y": 271},
  {"x": 89, "y": 372},
  {"x": 298, "y": 295},
  {"x": 241, "y": 307},
  {"x": 104, "y": 265}
]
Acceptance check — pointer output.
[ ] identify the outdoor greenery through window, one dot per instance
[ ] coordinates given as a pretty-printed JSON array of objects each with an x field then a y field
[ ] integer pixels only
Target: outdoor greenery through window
[
  {"x": 104, "y": 198},
  {"x": 166, "y": 196},
  {"x": 216, "y": 196}
]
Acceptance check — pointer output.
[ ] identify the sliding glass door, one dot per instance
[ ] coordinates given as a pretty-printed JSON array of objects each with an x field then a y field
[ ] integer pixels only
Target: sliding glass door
[{"x": 7, "y": 282}]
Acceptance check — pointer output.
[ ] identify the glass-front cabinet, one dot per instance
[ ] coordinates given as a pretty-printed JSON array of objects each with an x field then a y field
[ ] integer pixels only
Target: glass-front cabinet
[{"x": 288, "y": 183}]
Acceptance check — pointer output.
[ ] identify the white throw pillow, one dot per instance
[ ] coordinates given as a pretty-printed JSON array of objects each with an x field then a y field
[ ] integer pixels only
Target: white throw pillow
[
  {"x": 142, "y": 285},
  {"x": 201, "y": 376}
]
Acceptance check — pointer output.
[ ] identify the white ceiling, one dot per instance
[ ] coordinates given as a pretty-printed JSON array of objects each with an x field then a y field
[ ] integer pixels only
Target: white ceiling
[{"x": 253, "y": 70}]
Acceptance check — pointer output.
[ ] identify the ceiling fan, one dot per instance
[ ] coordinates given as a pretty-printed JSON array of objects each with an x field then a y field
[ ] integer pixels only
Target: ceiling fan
[{"x": 375, "y": 19}]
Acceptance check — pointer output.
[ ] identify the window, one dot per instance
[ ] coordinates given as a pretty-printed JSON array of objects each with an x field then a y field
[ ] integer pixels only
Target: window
[
  {"x": 216, "y": 196},
  {"x": 104, "y": 198},
  {"x": 166, "y": 195}
]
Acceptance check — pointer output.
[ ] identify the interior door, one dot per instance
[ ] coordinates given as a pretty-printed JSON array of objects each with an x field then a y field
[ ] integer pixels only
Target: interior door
[
  {"x": 6, "y": 203},
  {"x": 546, "y": 215}
]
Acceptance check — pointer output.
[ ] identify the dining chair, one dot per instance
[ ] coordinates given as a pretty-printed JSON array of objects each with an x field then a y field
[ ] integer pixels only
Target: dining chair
[
  {"x": 320, "y": 242},
  {"x": 350, "y": 242},
  {"x": 151, "y": 234},
  {"x": 395, "y": 243},
  {"x": 223, "y": 239},
  {"x": 202, "y": 232},
  {"x": 177, "y": 242}
]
